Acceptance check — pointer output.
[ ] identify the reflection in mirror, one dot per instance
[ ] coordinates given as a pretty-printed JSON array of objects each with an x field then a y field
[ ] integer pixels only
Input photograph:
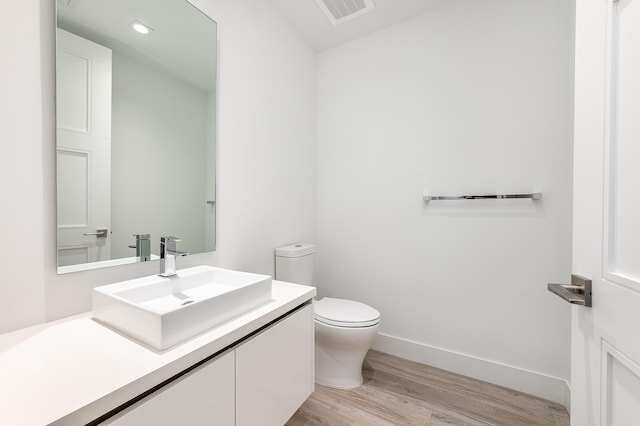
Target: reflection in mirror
[{"x": 135, "y": 116}]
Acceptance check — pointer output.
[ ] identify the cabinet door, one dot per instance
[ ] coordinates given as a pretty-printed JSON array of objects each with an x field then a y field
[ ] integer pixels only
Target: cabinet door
[
  {"x": 204, "y": 396},
  {"x": 274, "y": 371}
]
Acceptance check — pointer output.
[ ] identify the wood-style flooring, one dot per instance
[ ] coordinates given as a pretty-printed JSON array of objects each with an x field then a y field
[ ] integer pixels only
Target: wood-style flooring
[{"x": 401, "y": 392}]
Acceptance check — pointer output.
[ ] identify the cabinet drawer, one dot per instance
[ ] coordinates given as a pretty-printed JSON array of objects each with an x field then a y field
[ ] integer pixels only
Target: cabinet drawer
[
  {"x": 274, "y": 371},
  {"x": 204, "y": 396}
]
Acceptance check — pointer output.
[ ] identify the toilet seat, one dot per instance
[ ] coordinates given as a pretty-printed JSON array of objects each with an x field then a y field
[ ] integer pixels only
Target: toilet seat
[{"x": 345, "y": 313}]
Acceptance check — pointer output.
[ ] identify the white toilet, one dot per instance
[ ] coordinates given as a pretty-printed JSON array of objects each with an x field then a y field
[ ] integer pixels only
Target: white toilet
[{"x": 344, "y": 329}]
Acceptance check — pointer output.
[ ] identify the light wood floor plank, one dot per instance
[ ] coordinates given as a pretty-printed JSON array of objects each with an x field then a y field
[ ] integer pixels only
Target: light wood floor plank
[
  {"x": 401, "y": 392},
  {"x": 456, "y": 393},
  {"x": 454, "y": 419}
]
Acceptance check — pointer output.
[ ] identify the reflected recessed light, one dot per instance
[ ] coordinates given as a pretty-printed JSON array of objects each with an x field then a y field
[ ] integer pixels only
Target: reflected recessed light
[{"x": 140, "y": 27}]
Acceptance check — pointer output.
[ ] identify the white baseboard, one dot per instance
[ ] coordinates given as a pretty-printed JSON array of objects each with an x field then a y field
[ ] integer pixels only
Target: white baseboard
[{"x": 538, "y": 384}]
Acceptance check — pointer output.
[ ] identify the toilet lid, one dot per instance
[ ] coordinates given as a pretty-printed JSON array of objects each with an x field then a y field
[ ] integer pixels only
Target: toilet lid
[{"x": 345, "y": 313}]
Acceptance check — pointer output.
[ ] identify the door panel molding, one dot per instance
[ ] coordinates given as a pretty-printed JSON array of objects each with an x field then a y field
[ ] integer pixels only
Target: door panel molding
[
  {"x": 620, "y": 386},
  {"x": 74, "y": 188},
  {"x": 73, "y": 92},
  {"x": 622, "y": 153}
]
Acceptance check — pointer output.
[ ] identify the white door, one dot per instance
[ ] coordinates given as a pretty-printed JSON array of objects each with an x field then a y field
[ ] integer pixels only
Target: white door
[
  {"x": 83, "y": 120},
  {"x": 605, "y": 360}
]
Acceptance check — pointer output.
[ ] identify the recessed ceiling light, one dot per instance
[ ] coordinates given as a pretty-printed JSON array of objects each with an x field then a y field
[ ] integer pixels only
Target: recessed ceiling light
[{"x": 140, "y": 27}]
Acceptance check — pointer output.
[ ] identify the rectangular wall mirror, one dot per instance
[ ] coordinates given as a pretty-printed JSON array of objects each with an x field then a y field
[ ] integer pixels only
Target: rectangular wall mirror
[{"x": 135, "y": 136}]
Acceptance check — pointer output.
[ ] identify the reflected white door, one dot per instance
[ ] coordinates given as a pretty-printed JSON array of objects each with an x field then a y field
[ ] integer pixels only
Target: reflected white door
[
  {"x": 83, "y": 105},
  {"x": 605, "y": 360}
]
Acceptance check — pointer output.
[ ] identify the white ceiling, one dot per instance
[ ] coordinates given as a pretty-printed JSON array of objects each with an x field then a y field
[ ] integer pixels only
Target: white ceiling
[{"x": 305, "y": 16}]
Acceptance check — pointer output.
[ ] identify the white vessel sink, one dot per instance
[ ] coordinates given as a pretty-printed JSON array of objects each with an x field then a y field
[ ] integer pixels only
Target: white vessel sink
[{"x": 162, "y": 312}]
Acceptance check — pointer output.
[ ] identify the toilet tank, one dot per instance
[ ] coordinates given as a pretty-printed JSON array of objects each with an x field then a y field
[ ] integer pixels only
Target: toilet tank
[{"x": 295, "y": 263}]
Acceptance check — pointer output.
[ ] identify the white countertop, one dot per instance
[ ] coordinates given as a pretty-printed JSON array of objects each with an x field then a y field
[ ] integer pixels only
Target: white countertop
[{"x": 71, "y": 371}]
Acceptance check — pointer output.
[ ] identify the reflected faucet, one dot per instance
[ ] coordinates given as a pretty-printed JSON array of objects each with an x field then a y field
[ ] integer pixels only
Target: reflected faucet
[
  {"x": 143, "y": 247},
  {"x": 168, "y": 254}
]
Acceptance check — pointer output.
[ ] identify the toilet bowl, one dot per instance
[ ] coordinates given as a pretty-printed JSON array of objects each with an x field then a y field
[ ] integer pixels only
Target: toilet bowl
[{"x": 344, "y": 329}]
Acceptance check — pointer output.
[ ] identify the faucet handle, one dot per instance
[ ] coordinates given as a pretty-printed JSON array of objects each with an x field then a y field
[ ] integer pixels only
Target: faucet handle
[{"x": 169, "y": 238}]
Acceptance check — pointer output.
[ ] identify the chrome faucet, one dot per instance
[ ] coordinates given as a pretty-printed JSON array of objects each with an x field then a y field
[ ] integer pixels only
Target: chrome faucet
[
  {"x": 143, "y": 247},
  {"x": 168, "y": 254}
]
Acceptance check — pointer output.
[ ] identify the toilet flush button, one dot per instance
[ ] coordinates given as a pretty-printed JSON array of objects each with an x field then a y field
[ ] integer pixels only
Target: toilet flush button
[{"x": 295, "y": 250}]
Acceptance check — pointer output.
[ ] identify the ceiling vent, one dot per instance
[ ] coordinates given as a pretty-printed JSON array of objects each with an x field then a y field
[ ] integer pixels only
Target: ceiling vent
[{"x": 340, "y": 11}]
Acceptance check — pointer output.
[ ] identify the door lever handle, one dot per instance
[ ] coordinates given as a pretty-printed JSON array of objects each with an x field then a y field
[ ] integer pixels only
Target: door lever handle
[
  {"x": 100, "y": 233},
  {"x": 577, "y": 293}
]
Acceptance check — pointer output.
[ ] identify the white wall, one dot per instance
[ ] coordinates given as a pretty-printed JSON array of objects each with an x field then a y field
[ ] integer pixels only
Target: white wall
[
  {"x": 472, "y": 98},
  {"x": 21, "y": 191},
  {"x": 266, "y": 137},
  {"x": 159, "y": 132},
  {"x": 266, "y": 131}
]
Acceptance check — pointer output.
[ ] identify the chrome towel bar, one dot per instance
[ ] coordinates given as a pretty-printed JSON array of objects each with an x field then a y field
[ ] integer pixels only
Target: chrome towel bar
[{"x": 533, "y": 196}]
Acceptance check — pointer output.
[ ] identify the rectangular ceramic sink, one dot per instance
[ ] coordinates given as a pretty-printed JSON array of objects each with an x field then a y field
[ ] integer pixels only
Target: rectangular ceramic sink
[{"x": 162, "y": 312}]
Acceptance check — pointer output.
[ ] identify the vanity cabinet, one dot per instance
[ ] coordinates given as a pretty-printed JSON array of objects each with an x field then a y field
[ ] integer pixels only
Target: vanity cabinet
[
  {"x": 275, "y": 371},
  {"x": 262, "y": 380},
  {"x": 204, "y": 396}
]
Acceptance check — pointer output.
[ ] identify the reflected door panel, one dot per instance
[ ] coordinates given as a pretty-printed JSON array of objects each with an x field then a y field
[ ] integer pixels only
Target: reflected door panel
[{"x": 83, "y": 97}]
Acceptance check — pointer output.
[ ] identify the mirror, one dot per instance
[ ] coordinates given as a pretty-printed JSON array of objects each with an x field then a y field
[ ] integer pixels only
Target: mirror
[{"x": 135, "y": 137}]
